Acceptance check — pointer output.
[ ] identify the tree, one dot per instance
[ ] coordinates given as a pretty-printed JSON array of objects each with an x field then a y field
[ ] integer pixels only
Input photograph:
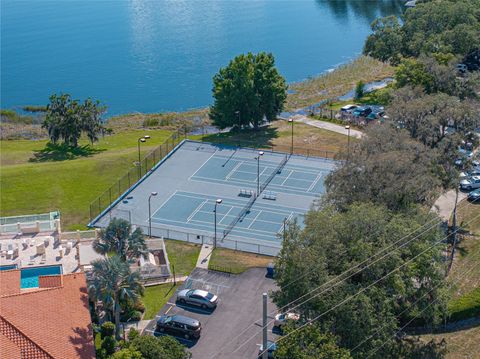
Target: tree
[
  {"x": 359, "y": 90},
  {"x": 386, "y": 41},
  {"x": 386, "y": 167},
  {"x": 412, "y": 72},
  {"x": 112, "y": 281},
  {"x": 248, "y": 90},
  {"x": 164, "y": 347},
  {"x": 309, "y": 343},
  {"x": 381, "y": 298},
  {"x": 66, "y": 119},
  {"x": 119, "y": 238},
  {"x": 127, "y": 353}
]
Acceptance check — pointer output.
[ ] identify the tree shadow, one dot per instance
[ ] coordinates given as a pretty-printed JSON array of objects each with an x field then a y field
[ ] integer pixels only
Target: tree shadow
[
  {"x": 257, "y": 138},
  {"x": 61, "y": 152}
]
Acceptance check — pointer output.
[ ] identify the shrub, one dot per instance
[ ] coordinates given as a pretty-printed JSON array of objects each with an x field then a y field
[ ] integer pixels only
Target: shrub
[
  {"x": 132, "y": 334},
  {"x": 151, "y": 122},
  {"x": 108, "y": 344},
  {"x": 359, "y": 90},
  {"x": 107, "y": 329}
]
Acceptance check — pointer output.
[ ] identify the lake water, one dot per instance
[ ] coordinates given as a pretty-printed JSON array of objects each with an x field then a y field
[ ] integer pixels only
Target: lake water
[{"x": 151, "y": 56}]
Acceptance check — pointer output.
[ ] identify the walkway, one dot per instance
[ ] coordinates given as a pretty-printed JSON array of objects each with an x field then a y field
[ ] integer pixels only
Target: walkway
[
  {"x": 204, "y": 256},
  {"x": 327, "y": 126},
  {"x": 445, "y": 204}
]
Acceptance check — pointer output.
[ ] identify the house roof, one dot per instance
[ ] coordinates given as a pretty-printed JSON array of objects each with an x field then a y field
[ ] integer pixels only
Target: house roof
[{"x": 52, "y": 321}]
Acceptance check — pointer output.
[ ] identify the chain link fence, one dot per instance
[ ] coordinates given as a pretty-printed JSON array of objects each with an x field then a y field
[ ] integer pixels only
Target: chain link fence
[{"x": 103, "y": 201}]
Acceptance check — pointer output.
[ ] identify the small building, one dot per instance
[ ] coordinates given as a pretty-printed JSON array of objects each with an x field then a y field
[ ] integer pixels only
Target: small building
[{"x": 49, "y": 321}]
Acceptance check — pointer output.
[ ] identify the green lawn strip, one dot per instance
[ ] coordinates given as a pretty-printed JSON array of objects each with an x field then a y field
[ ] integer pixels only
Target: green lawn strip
[
  {"x": 155, "y": 297},
  {"x": 466, "y": 306},
  {"x": 237, "y": 262},
  {"x": 70, "y": 185},
  {"x": 182, "y": 256}
]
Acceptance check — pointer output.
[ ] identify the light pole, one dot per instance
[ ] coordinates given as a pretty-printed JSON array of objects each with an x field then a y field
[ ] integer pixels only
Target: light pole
[
  {"x": 238, "y": 118},
  {"x": 347, "y": 127},
  {"x": 260, "y": 153},
  {"x": 291, "y": 148},
  {"x": 141, "y": 140},
  {"x": 153, "y": 194},
  {"x": 218, "y": 201}
]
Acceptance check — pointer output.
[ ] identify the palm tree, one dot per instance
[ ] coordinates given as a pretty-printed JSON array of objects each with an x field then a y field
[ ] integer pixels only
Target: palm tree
[
  {"x": 112, "y": 281},
  {"x": 119, "y": 238}
]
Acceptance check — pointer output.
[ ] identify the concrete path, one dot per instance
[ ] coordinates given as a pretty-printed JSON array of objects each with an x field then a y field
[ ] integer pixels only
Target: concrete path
[
  {"x": 204, "y": 256},
  {"x": 327, "y": 126},
  {"x": 445, "y": 204}
]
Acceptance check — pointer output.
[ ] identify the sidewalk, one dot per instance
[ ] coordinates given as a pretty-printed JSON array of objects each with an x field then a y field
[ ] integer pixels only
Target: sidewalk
[
  {"x": 445, "y": 204},
  {"x": 327, "y": 126},
  {"x": 204, "y": 256}
]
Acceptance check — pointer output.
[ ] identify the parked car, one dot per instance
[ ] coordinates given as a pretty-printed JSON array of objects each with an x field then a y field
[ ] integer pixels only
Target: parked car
[
  {"x": 348, "y": 108},
  {"x": 375, "y": 115},
  {"x": 474, "y": 196},
  {"x": 179, "y": 326},
  {"x": 470, "y": 183},
  {"x": 282, "y": 318},
  {"x": 197, "y": 297},
  {"x": 362, "y": 111},
  {"x": 272, "y": 346},
  {"x": 473, "y": 172}
]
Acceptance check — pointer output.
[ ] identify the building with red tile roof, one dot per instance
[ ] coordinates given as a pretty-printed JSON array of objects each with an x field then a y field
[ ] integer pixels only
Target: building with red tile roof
[{"x": 52, "y": 321}]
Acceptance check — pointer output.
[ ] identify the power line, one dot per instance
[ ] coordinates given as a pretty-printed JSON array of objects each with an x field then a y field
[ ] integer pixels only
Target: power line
[
  {"x": 463, "y": 274},
  {"x": 365, "y": 288}
]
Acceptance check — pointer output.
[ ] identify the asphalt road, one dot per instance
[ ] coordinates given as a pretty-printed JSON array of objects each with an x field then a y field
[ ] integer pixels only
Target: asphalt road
[{"x": 240, "y": 307}]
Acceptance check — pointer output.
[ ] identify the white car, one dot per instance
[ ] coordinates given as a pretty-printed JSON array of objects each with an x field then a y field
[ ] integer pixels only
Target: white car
[
  {"x": 282, "y": 318},
  {"x": 470, "y": 183},
  {"x": 467, "y": 174},
  {"x": 348, "y": 108}
]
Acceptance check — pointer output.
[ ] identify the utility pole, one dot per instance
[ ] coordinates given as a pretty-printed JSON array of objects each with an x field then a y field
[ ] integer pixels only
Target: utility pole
[
  {"x": 454, "y": 228},
  {"x": 265, "y": 332}
]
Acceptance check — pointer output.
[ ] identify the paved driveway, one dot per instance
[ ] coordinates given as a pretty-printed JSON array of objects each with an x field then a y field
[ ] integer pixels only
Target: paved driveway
[{"x": 240, "y": 305}]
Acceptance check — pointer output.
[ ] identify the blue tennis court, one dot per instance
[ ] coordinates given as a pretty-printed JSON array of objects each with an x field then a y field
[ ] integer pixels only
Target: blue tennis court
[
  {"x": 244, "y": 171},
  {"x": 195, "y": 174},
  {"x": 191, "y": 210}
]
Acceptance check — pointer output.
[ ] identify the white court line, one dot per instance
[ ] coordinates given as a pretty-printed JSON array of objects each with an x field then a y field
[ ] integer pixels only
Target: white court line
[
  {"x": 226, "y": 214},
  {"x": 233, "y": 170},
  {"x": 285, "y": 180},
  {"x": 258, "y": 204},
  {"x": 315, "y": 182},
  {"x": 196, "y": 210},
  {"x": 163, "y": 204},
  {"x": 204, "y": 163},
  {"x": 254, "y": 219}
]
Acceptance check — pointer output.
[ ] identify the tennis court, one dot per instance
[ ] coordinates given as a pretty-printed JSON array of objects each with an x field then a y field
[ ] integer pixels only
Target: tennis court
[{"x": 258, "y": 193}]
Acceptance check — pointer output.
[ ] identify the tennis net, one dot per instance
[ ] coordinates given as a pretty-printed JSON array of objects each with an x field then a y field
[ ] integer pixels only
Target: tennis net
[
  {"x": 242, "y": 214},
  {"x": 274, "y": 173}
]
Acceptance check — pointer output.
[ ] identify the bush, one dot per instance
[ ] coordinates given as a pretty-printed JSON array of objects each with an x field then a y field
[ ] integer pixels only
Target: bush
[
  {"x": 132, "y": 334},
  {"x": 135, "y": 316},
  {"x": 139, "y": 306},
  {"x": 151, "y": 122},
  {"x": 107, "y": 329},
  {"x": 108, "y": 344},
  {"x": 127, "y": 353},
  {"x": 360, "y": 90}
]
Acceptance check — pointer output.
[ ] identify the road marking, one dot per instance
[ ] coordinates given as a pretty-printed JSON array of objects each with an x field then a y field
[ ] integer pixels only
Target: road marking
[
  {"x": 227, "y": 177},
  {"x": 255, "y": 219},
  {"x": 204, "y": 163},
  {"x": 196, "y": 210},
  {"x": 315, "y": 182},
  {"x": 285, "y": 180}
]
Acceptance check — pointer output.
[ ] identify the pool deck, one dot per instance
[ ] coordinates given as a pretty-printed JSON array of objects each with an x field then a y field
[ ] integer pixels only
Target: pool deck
[{"x": 23, "y": 251}]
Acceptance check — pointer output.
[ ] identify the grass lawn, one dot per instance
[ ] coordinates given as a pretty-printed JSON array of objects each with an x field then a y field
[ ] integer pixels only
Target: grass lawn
[
  {"x": 278, "y": 134},
  {"x": 155, "y": 297},
  {"x": 237, "y": 262},
  {"x": 462, "y": 344},
  {"x": 67, "y": 185},
  {"x": 182, "y": 255}
]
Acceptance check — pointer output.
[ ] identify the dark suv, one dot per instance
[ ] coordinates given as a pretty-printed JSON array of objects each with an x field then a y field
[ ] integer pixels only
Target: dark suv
[{"x": 179, "y": 326}]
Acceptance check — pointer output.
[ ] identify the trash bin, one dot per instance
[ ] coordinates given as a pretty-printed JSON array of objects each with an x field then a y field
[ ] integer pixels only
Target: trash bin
[{"x": 270, "y": 270}]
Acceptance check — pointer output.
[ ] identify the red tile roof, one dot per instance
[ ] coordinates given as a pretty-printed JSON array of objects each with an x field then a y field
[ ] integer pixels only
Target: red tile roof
[
  {"x": 52, "y": 322},
  {"x": 9, "y": 282}
]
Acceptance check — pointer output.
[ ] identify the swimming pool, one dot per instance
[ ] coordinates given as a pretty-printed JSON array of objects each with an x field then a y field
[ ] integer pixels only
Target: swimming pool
[
  {"x": 29, "y": 276},
  {"x": 8, "y": 267}
]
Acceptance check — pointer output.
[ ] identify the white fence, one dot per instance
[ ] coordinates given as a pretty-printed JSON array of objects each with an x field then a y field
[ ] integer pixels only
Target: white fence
[{"x": 30, "y": 227}]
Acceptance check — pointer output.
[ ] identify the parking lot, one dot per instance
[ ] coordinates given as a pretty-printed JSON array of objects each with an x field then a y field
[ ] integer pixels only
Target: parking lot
[{"x": 240, "y": 305}]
